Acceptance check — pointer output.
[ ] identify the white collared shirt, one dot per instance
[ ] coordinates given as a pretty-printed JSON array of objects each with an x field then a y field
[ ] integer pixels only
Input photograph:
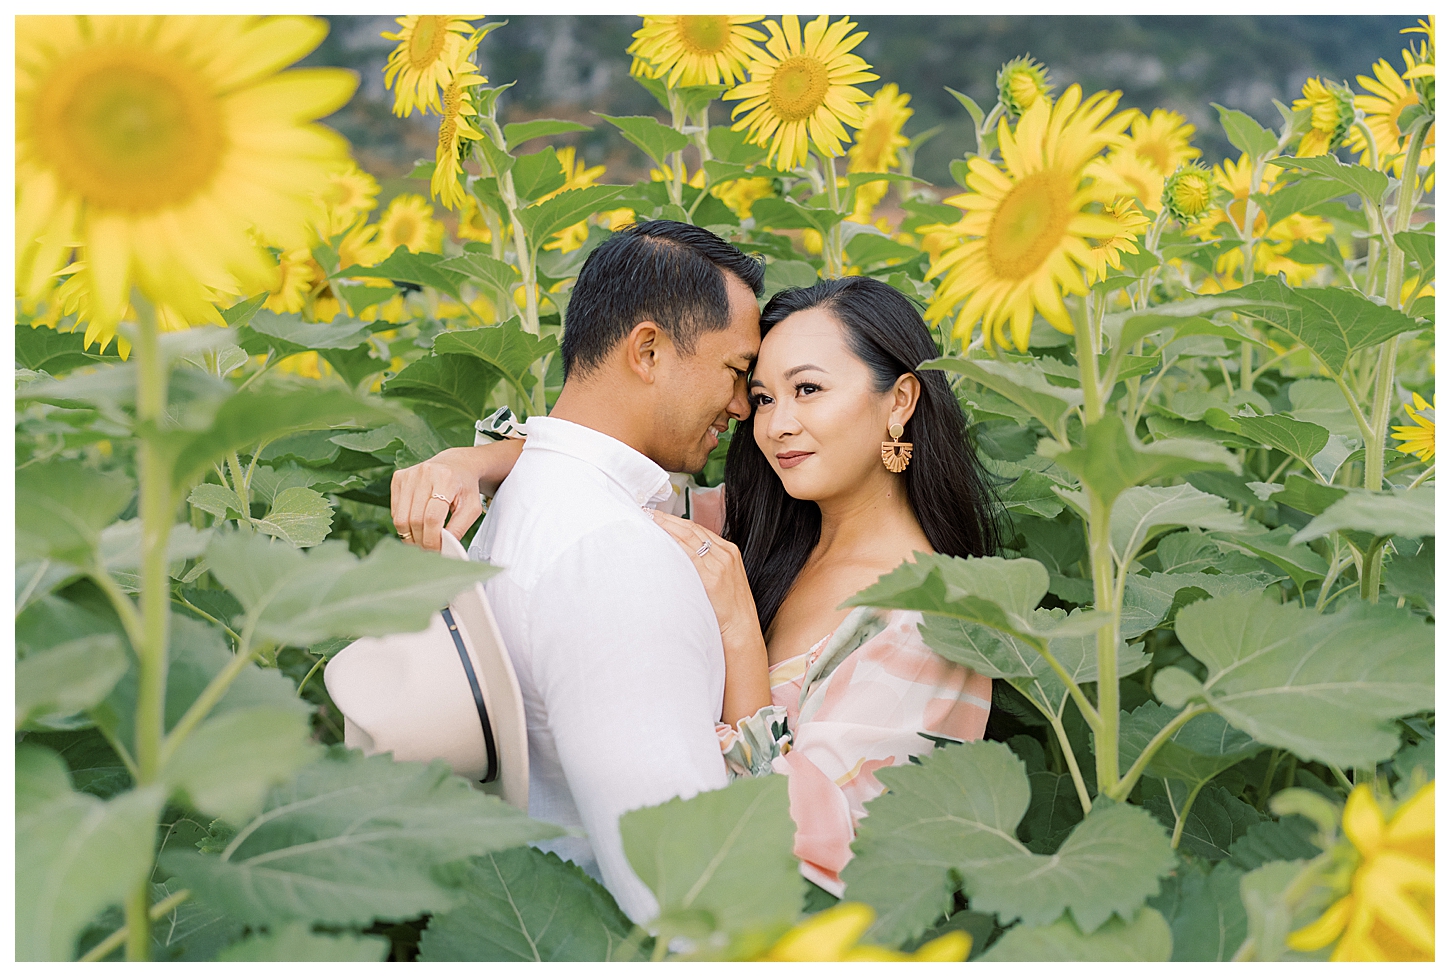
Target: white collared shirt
[{"x": 616, "y": 647}]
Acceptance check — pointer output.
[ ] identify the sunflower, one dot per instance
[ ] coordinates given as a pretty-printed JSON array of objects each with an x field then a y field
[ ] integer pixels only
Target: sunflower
[
  {"x": 298, "y": 272},
  {"x": 1108, "y": 253},
  {"x": 802, "y": 89},
  {"x": 165, "y": 148},
  {"x": 1021, "y": 84},
  {"x": 408, "y": 222},
  {"x": 72, "y": 298},
  {"x": 1388, "y": 97},
  {"x": 1024, "y": 237},
  {"x": 1419, "y": 439},
  {"x": 740, "y": 195},
  {"x": 358, "y": 247},
  {"x": 834, "y": 934},
  {"x": 1389, "y": 911},
  {"x": 1331, "y": 110},
  {"x": 350, "y": 194},
  {"x": 690, "y": 50},
  {"x": 446, "y": 185},
  {"x": 429, "y": 45},
  {"x": 472, "y": 224},
  {"x": 1273, "y": 243},
  {"x": 577, "y": 176},
  {"x": 879, "y": 138},
  {"x": 1124, "y": 173},
  {"x": 1161, "y": 140}
]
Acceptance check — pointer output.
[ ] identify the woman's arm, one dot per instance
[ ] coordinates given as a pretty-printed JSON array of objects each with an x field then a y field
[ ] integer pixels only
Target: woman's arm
[
  {"x": 747, "y": 682},
  {"x": 455, "y": 477}
]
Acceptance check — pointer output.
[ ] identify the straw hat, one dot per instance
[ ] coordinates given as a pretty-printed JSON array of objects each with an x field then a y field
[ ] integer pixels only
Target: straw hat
[{"x": 447, "y": 692}]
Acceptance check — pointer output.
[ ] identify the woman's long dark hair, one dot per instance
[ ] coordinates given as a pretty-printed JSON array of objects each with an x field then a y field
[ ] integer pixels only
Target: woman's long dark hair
[{"x": 945, "y": 483}]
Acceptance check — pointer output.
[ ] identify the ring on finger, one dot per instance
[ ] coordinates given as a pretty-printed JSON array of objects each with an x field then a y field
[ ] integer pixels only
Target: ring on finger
[
  {"x": 704, "y": 548},
  {"x": 405, "y": 535},
  {"x": 442, "y": 498}
]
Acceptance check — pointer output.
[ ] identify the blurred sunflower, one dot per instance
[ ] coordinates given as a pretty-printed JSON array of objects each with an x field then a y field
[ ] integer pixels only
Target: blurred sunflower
[
  {"x": 877, "y": 146},
  {"x": 297, "y": 273},
  {"x": 700, "y": 49},
  {"x": 453, "y": 129},
  {"x": 408, "y": 222},
  {"x": 350, "y": 194},
  {"x": 1162, "y": 139},
  {"x": 429, "y": 45},
  {"x": 1124, "y": 173},
  {"x": 1419, "y": 439},
  {"x": 472, "y": 224},
  {"x": 1273, "y": 243},
  {"x": 167, "y": 149},
  {"x": 802, "y": 90},
  {"x": 1424, "y": 57},
  {"x": 740, "y": 195},
  {"x": 1389, "y": 911},
  {"x": 577, "y": 176},
  {"x": 1188, "y": 193},
  {"x": 834, "y": 934},
  {"x": 1387, "y": 97},
  {"x": 1331, "y": 111},
  {"x": 1022, "y": 83},
  {"x": 1025, "y": 235}
]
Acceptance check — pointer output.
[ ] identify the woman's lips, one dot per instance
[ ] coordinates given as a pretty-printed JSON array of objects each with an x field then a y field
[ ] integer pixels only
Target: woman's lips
[{"x": 789, "y": 459}]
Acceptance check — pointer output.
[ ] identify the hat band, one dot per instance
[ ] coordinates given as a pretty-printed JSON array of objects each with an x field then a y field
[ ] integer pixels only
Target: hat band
[{"x": 477, "y": 697}]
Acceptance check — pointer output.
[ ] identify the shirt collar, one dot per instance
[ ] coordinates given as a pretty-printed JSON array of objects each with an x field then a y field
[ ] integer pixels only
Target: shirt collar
[{"x": 647, "y": 483}]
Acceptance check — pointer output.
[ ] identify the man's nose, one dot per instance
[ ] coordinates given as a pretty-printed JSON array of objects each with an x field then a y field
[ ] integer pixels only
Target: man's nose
[{"x": 739, "y": 406}]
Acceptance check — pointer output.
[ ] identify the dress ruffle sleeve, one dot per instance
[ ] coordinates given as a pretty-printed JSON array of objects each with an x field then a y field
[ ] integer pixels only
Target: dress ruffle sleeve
[{"x": 753, "y": 743}]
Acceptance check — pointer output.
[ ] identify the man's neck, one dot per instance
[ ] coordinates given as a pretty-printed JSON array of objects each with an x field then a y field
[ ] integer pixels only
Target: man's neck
[{"x": 599, "y": 407}]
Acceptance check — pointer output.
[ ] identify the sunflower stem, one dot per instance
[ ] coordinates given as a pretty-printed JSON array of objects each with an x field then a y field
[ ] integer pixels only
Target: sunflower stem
[
  {"x": 1101, "y": 554},
  {"x": 831, "y": 242},
  {"x": 1087, "y": 359},
  {"x": 677, "y": 158},
  {"x": 1384, "y": 387},
  {"x": 155, "y": 603}
]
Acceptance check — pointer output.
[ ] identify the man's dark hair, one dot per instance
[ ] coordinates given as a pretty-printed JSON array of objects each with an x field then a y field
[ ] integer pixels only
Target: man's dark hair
[{"x": 670, "y": 273}]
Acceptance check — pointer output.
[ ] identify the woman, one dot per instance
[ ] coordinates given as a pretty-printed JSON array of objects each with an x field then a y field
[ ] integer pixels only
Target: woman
[
  {"x": 820, "y": 500},
  {"x": 814, "y": 514}
]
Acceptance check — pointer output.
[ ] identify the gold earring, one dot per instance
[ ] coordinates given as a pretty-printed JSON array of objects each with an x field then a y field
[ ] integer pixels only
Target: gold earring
[{"x": 896, "y": 454}]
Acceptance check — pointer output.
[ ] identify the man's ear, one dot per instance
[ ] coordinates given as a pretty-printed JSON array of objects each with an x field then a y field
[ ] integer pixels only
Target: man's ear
[{"x": 642, "y": 349}]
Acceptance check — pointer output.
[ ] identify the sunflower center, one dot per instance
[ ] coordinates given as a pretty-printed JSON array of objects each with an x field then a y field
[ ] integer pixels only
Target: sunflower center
[
  {"x": 127, "y": 131},
  {"x": 1156, "y": 152},
  {"x": 705, "y": 34},
  {"x": 1029, "y": 224},
  {"x": 404, "y": 229},
  {"x": 798, "y": 87},
  {"x": 426, "y": 42}
]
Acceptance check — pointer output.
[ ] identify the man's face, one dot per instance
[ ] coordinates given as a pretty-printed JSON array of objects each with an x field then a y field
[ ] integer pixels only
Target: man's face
[{"x": 698, "y": 394}]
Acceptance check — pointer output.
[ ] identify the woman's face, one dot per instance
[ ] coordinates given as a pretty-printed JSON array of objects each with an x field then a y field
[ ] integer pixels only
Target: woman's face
[{"x": 818, "y": 417}]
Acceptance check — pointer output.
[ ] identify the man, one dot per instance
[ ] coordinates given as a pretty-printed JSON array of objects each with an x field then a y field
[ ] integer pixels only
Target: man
[{"x": 614, "y": 641}]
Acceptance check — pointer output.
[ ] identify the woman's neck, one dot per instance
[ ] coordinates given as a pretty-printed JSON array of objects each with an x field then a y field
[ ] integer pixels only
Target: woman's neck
[{"x": 873, "y": 521}]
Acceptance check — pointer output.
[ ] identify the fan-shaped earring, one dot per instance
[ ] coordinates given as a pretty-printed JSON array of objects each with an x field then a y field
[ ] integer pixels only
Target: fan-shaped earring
[{"x": 896, "y": 454}]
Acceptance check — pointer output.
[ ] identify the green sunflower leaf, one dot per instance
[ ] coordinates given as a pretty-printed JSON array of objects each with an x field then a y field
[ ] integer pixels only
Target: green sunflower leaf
[
  {"x": 1145, "y": 939},
  {"x": 1325, "y": 686},
  {"x": 1333, "y": 322}
]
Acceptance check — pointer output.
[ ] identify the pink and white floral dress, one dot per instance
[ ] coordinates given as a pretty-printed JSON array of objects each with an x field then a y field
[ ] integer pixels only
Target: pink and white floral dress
[{"x": 870, "y": 694}]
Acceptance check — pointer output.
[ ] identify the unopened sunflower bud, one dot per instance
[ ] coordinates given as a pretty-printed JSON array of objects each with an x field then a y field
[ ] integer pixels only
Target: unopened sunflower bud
[
  {"x": 1188, "y": 193},
  {"x": 1020, "y": 83}
]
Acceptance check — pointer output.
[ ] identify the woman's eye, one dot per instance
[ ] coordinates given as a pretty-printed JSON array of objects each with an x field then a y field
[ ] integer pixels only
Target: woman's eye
[
  {"x": 805, "y": 388},
  {"x": 758, "y": 400}
]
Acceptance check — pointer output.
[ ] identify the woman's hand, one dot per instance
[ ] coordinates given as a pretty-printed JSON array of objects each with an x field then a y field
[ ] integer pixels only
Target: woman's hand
[
  {"x": 717, "y": 560},
  {"x": 446, "y": 486}
]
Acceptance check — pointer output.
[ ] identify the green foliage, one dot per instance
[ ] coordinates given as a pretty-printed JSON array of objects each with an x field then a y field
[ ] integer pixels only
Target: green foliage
[
  {"x": 951, "y": 822},
  {"x": 524, "y": 904},
  {"x": 1145, "y": 938},
  {"x": 349, "y": 839},
  {"x": 720, "y": 863},
  {"x": 1323, "y": 685},
  {"x": 295, "y": 943}
]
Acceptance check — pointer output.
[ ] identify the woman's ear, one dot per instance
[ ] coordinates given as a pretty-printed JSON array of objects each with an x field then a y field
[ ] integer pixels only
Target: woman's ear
[{"x": 904, "y": 396}]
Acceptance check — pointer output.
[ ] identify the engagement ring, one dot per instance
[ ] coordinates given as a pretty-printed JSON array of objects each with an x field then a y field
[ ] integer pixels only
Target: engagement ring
[{"x": 704, "y": 548}]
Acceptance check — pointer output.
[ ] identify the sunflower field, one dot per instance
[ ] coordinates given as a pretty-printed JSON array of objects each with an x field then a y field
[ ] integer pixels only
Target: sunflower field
[{"x": 1204, "y": 390}]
